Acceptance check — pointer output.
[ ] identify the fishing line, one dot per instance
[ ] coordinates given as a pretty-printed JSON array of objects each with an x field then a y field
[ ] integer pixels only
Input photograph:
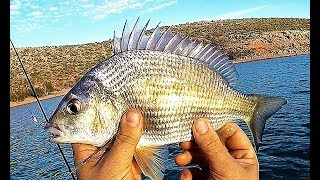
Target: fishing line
[
  {"x": 34, "y": 118},
  {"x": 45, "y": 117}
]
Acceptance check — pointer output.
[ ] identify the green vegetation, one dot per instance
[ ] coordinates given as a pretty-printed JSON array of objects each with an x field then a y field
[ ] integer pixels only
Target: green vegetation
[{"x": 53, "y": 68}]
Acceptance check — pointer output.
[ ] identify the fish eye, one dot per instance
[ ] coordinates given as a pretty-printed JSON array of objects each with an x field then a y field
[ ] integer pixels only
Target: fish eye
[{"x": 74, "y": 106}]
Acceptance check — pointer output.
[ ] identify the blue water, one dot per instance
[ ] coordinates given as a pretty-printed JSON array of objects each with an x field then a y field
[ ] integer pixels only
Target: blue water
[{"x": 283, "y": 154}]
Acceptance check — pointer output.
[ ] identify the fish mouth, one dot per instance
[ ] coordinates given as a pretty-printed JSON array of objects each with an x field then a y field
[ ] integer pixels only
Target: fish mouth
[{"x": 55, "y": 129}]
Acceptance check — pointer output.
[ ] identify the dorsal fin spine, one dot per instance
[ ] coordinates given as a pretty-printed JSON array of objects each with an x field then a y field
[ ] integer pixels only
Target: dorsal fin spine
[
  {"x": 114, "y": 43},
  {"x": 161, "y": 39},
  {"x": 202, "y": 57},
  {"x": 208, "y": 56},
  {"x": 210, "y": 60},
  {"x": 223, "y": 67},
  {"x": 132, "y": 33},
  {"x": 141, "y": 34},
  {"x": 189, "y": 48},
  {"x": 231, "y": 72},
  {"x": 121, "y": 39},
  {"x": 216, "y": 62},
  {"x": 175, "y": 37},
  {"x": 151, "y": 36},
  {"x": 228, "y": 73},
  {"x": 170, "y": 42},
  {"x": 186, "y": 49},
  {"x": 204, "y": 50},
  {"x": 196, "y": 50},
  {"x": 177, "y": 49},
  {"x": 217, "y": 55}
]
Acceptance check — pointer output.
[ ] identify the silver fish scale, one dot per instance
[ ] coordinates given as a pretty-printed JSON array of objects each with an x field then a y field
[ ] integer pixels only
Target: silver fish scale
[{"x": 172, "y": 91}]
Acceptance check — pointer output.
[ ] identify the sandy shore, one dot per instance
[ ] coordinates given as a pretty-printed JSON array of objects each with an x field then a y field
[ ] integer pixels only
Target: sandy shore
[
  {"x": 32, "y": 99},
  {"x": 63, "y": 92}
]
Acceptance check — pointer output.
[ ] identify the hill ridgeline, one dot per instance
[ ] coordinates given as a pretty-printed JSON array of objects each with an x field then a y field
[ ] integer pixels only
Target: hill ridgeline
[{"x": 55, "y": 68}]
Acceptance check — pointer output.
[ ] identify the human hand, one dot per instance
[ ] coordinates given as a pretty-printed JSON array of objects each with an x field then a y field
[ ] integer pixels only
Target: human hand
[
  {"x": 227, "y": 154},
  {"x": 118, "y": 162}
]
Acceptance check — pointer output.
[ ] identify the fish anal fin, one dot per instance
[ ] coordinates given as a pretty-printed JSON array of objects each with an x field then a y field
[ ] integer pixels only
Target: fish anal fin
[{"x": 151, "y": 160}]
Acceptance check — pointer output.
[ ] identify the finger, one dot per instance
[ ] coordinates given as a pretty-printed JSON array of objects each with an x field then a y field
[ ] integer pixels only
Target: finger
[
  {"x": 234, "y": 137},
  {"x": 226, "y": 131},
  {"x": 191, "y": 156},
  {"x": 82, "y": 151},
  {"x": 209, "y": 142},
  {"x": 123, "y": 149},
  {"x": 236, "y": 141},
  {"x": 188, "y": 145},
  {"x": 193, "y": 173},
  {"x": 183, "y": 159}
]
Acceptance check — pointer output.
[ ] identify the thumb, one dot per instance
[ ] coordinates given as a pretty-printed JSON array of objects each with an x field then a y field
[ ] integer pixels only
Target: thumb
[
  {"x": 209, "y": 143},
  {"x": 128, "y": 137}
]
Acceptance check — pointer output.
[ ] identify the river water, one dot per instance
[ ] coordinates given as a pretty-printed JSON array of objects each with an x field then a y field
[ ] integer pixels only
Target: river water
[{"x": 283, "y": 154}]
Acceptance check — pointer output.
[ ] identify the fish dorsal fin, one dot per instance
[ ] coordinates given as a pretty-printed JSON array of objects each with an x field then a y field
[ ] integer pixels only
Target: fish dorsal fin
[
  {"x": 167, "y": 42},
  {"x": 151, "y": 160}
]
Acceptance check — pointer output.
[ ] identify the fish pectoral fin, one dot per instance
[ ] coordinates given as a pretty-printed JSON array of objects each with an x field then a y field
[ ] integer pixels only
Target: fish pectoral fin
[{"x": 151, "y": 160}]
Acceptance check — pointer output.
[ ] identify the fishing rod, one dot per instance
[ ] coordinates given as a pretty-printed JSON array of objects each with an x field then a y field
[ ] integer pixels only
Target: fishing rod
[{"x": 44, "y": 115}]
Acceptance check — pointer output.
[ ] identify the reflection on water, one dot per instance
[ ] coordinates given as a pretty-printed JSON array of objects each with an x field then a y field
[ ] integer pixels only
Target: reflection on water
[{"x": 284, "y": 152}]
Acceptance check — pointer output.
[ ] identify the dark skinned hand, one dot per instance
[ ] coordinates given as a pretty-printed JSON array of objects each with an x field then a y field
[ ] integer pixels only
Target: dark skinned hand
[{"x": 227, "y": 154}]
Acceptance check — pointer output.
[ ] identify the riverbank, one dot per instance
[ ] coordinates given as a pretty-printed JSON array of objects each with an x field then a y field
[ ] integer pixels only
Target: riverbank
[
  {"x": 32, "y": 99},
  {"x": 63, "y": 92}
]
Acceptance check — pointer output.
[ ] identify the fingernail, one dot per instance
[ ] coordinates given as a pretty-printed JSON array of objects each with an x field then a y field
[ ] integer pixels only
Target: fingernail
[
  {"x": 132, "y": 118},
  {"x": 201, "y": 126},
  {"x": 183, "y": 176},
  {"x": 227, "y": 131}
]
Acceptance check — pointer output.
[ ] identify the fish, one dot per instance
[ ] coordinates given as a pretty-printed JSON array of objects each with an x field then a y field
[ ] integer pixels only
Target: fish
[{"x": 172, "y": 80}]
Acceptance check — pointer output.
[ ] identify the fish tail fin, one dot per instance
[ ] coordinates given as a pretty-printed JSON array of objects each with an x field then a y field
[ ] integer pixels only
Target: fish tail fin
[{"x": 265, "y": 108}]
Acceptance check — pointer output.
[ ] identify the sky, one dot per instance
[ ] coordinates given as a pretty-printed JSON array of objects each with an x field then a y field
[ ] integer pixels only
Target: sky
[{"x": 35, "y": 23}]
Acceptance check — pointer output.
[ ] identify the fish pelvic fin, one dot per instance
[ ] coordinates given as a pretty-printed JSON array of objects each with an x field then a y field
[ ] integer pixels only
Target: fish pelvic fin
[
  {"x": 208, "y": 54},
  {"x": 151, "y": 160},
  {"x": 265, "y": 108}
]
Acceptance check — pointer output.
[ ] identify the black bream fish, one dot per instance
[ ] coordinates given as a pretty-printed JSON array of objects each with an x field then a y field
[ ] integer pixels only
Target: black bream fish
[{"x": 172, "y": 80}]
